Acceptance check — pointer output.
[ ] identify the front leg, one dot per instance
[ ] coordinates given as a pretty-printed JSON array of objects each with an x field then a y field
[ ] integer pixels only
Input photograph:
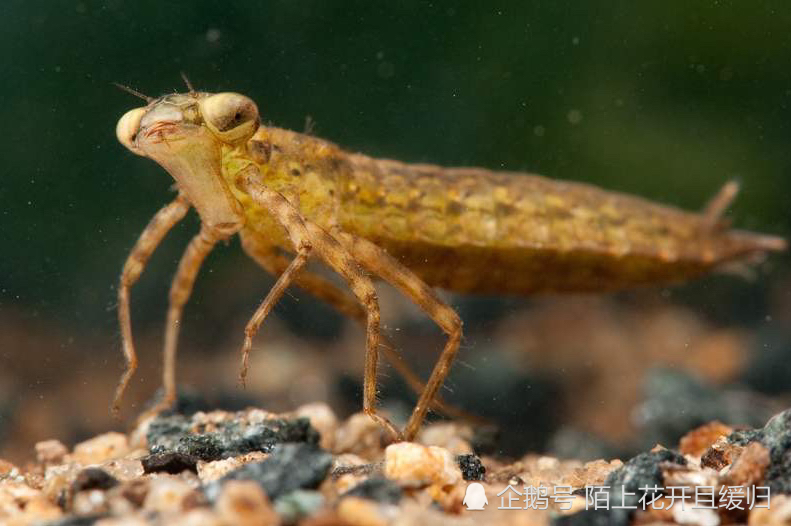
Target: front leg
[{"x": 157, "y": 228}]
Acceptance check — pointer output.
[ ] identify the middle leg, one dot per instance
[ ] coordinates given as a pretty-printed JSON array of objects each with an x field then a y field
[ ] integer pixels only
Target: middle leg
[
  {"x": 180, "y": 290},
  {"x": 275, "y": 293},
  {"x": 338, "y": 258},
  {"x": 275, "y": 263}
]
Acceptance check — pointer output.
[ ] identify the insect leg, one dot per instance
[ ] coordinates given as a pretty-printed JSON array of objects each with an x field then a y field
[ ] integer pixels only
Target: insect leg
[
  {"x": 269, "y": 302},
  {"x": 379, "y": 262},
  {"x": 339, "y": 259},
  {"x": 157, "y": 228},
  {"x": 180, "y": 290},
  {"x": 714, "y": 209},
  {"x": 274, "y": 263}
]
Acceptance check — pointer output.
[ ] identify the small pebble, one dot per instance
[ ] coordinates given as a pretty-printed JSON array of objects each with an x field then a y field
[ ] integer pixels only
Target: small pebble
[
  {"x": 91, "y": 502},
  {"x": 323, "y": 420},
  {"x": 20, "y": 501},
  {"x": 210, "y": 471},
  {"x": 6, "y": 468},
  {"x": 722, "y": 453},
  {"x": 697, "y": 517},
  {"x": 101, "y": 448},
  {"x": 697, "y": 441},
  {"x": 592, "y": 473},
  {"x": 124, "y": 468},
  {"x": 414, "y": 465},
  {"x": 197, "y": 517},
  {"x": 135, "y": 491},
  {"x": 750, "y": 468},
  {"x": 130, "y": 520},
  {"x": 778, "y": 513},
  {"x": 690, "y": 476},
  {"x": 50, "y": 451},
  {"x": 57, "y": 482},
  {"x": 119, "y": 503},
  {"x": 41, "y": 508},
  {"x": 359, "y": 435},
  {"x": 243, "y": 503},
  {"x": 167, "y": 494},
  {"x": 450, "y": 435},
  {"x": 357, "y": 511}
]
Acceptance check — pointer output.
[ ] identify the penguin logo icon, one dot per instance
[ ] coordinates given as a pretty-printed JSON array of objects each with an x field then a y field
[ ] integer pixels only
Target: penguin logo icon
[{"x": 475, "y": 497}]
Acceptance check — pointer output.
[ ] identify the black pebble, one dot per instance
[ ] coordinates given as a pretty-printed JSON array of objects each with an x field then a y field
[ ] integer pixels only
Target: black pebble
[
  {"x": 205, "y": 447},
  {"x": 93, "y": 478},
  {"x": 639, "y": 472},
  {"x": 471, "y": 467},
  {"x": 83, "y": 520},
  {"x": 170, "y": 462},
  {"x": 172, "y": 433},
  {"x": 667, "y": 390},
  {"x": 776, "y": 436},
  {"x": 377, "y": 488},
  {"x": 289, "y": 467},
  {"x": 585, "y": 518}
]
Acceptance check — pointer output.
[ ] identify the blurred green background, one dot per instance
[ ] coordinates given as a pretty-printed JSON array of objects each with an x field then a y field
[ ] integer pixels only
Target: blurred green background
[{"x": 663, "y": 99}]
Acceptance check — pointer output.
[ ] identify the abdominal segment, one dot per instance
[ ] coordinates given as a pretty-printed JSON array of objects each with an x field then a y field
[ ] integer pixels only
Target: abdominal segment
[{"x": 475, "y": 230}]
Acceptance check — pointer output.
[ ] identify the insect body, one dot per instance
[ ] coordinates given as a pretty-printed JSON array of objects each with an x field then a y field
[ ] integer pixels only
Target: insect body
[{"x": 414, "y": 226}]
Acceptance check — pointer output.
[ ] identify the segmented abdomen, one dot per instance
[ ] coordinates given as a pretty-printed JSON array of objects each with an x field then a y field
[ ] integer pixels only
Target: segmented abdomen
[{"x": 470, "y": 229}]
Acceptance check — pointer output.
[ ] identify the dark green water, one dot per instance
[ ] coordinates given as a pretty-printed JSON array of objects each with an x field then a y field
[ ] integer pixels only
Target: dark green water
[{"x": 663, "y": 99}]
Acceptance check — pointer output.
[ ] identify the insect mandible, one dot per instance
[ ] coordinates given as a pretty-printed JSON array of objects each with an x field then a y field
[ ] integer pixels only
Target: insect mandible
[{"x": 292, "y": 197}]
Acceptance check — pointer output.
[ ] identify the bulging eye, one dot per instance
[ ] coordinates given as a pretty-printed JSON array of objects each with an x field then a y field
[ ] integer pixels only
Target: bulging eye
[
  {"x": 127, "y": 128},
  {"x": 233, "y": 118}
]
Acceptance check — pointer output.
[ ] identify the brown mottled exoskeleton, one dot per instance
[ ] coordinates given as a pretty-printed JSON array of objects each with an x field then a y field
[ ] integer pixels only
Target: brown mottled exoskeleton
[{"x": 416, "y": 226}]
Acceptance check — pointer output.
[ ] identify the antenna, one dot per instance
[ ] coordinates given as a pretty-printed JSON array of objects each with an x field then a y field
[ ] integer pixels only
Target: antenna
[
  {"x": 187, "y": 81},
  {"x": 133, "y": 92}
]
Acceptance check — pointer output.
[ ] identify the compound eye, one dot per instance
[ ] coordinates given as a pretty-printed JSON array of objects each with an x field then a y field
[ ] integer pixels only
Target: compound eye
[
  {"x": 127, "y": 128},
  {"x": 232, "y": 117}
]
